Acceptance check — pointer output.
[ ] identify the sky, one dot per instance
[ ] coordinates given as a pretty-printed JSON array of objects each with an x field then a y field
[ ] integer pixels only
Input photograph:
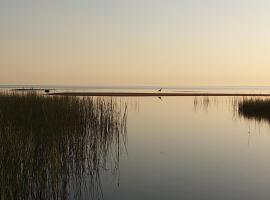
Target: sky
[{"x": 142, "y": 42}]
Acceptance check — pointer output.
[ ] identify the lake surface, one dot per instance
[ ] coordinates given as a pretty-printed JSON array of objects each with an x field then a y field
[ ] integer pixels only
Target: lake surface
[
  {"x": 186, "y": 148},
  {"x": 186, "y": 89},
  {"x": 166, "y": 148}
]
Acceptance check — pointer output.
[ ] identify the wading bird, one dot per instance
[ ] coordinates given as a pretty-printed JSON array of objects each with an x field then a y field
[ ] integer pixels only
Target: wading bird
[{"x": 160, "y": 90}]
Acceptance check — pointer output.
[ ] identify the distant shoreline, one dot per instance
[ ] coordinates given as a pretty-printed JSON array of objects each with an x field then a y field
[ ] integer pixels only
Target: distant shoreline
[
  {"x": 151, "y": 94},
  {"x": 28, "y": 89}
]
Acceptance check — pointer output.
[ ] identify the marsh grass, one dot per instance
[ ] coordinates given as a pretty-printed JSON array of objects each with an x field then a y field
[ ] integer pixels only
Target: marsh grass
[
  {"x": 56, "y": 147},
  {"x": 256, "y": 109}
]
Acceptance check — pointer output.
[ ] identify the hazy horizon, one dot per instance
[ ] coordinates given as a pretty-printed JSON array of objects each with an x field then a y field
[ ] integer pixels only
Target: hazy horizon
[{"x": 150, "y": 42}]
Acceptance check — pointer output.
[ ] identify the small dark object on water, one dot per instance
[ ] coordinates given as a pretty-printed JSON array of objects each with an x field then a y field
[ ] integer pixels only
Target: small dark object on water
[
  {"x": 160, "y": 90},
  {"x": 47, "y": 91}
]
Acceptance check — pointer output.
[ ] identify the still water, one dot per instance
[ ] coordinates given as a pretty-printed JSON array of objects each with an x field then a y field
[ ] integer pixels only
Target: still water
[
  {"x": 186, "y": 148},
  {"x": 168, "y": 148}
]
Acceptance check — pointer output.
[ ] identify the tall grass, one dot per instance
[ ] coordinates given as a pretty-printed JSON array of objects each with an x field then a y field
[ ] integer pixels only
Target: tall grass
[
  {"x": 257, "y": 109},
  {"x": 55, "y": 147}
]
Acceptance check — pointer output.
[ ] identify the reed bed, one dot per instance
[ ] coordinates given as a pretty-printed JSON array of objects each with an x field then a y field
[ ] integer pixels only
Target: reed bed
[
  {"x": 55, "y": 147},
  {"x": 257, "y": 109}
]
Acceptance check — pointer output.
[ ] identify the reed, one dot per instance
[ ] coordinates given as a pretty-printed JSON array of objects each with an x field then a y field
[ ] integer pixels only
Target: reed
[
  {"x": 56, "y": 147},
  {"x": 257, "y": 109}
]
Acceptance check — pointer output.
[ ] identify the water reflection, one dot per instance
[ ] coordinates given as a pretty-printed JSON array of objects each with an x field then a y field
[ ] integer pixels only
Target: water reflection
[
  {"x": 250, "y": 108},
  {"x": 204, "y": 103},
  {"x": 56, "y": 147}
]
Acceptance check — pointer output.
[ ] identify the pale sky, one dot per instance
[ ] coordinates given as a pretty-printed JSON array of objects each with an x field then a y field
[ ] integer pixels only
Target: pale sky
[{"x": 135, "y": 42}]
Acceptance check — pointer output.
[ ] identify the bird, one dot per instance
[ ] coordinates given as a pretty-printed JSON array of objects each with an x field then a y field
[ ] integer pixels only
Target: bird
[
  {"x": 47, "y": 91},
  {"x": 160, "y": 90}
]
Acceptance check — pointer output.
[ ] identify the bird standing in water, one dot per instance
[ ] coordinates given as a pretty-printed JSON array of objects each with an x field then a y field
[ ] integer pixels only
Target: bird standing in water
[{"x": 160, "y": 90}]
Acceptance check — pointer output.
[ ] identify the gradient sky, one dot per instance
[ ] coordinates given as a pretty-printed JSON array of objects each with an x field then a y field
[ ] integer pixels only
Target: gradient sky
[{"x": 128, "y": 42}]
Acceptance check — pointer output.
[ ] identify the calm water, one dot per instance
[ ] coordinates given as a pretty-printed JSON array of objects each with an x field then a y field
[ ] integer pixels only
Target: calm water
[
  {"x": 169, "y": 148},
  {"x": 186, "y": 148},
  {"x": 199, "y": 89}
]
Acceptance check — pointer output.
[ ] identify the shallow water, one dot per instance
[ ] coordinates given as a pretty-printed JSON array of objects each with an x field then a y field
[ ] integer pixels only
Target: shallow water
[
  {"x": 186, "y": 148},
  {"x": 174, "y": 148}
]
